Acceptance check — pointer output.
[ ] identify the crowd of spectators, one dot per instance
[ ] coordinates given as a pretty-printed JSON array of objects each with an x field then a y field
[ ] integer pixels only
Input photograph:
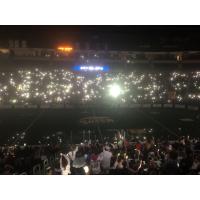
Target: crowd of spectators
[
  {"x": 137, "y": 155},
  {"x": 40, "y": 86},
  {"x": 21, "y": 159}
]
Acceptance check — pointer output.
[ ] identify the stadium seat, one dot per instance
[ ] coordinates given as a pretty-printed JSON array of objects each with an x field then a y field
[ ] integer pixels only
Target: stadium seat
[
  {"x": 45, "y": 165},
  {"x": 37, "y": 170},
  {"x": 24, "y": 173},
  {"x": 51, "y": 161}
]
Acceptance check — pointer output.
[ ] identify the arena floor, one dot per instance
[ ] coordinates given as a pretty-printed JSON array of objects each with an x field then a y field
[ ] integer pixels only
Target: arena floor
[{"x": 39, "y": 122}]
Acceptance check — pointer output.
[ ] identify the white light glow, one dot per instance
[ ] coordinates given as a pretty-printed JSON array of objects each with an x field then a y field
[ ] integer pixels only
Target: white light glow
[
  {"x": 91, "y": 68},
  {"x": 115, "y": 90},
  {"x": 86, "y": 169}
]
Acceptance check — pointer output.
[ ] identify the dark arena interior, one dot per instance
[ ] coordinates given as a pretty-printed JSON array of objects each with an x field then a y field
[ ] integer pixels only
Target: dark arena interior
[
  {"x": 95, "y": 110},
  {"x": 40, "y": 123}
]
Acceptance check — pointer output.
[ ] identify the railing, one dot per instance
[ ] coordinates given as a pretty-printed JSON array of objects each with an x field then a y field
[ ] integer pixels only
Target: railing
[
  {"x": 81, "y": 55},
  {"x": 193, "y": 107}
]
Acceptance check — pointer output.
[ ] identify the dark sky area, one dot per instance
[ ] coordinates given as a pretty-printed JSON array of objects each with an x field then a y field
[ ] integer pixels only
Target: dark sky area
[{"x": 116, "y": 37}]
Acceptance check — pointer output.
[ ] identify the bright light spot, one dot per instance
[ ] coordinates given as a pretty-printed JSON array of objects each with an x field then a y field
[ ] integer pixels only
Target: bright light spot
[
  {"x": 115, "y": 90},
  {"x": 91, "y": 68},
  {"x": 86, "y": 169},
  {"x": 66, "y": 49},
  {"x": 14, "y": 101}
]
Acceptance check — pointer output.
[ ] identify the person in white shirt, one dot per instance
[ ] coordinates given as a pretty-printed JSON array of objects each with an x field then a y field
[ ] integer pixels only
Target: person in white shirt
[
  {"x": 65, "y": 164},
  {"x": 105, "y": 158}
]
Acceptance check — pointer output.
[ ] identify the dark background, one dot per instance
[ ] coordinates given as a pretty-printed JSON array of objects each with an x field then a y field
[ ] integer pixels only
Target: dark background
[{"x": 116, "y": 37}]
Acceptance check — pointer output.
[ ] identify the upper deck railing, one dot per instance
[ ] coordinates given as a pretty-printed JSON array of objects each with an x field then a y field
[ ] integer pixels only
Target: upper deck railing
[{"x": 128, "y": 57}]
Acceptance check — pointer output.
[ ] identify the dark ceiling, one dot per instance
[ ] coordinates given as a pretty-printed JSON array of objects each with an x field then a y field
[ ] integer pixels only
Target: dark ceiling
[{"x": 116, "y": 37}]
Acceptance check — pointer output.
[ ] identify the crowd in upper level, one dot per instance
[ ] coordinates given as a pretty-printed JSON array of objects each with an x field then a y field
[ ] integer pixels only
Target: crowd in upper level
[{"x": 40, "y": 86}]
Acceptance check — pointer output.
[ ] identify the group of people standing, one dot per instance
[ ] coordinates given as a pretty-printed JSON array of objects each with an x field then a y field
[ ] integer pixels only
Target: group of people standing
[
  {"x": 82, "y": 160},
  {"x": 145, "y": 156}
]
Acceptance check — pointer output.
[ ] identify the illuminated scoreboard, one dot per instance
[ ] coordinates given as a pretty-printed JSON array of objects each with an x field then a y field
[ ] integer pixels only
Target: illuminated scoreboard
[{"x": 91, "y": 68}]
